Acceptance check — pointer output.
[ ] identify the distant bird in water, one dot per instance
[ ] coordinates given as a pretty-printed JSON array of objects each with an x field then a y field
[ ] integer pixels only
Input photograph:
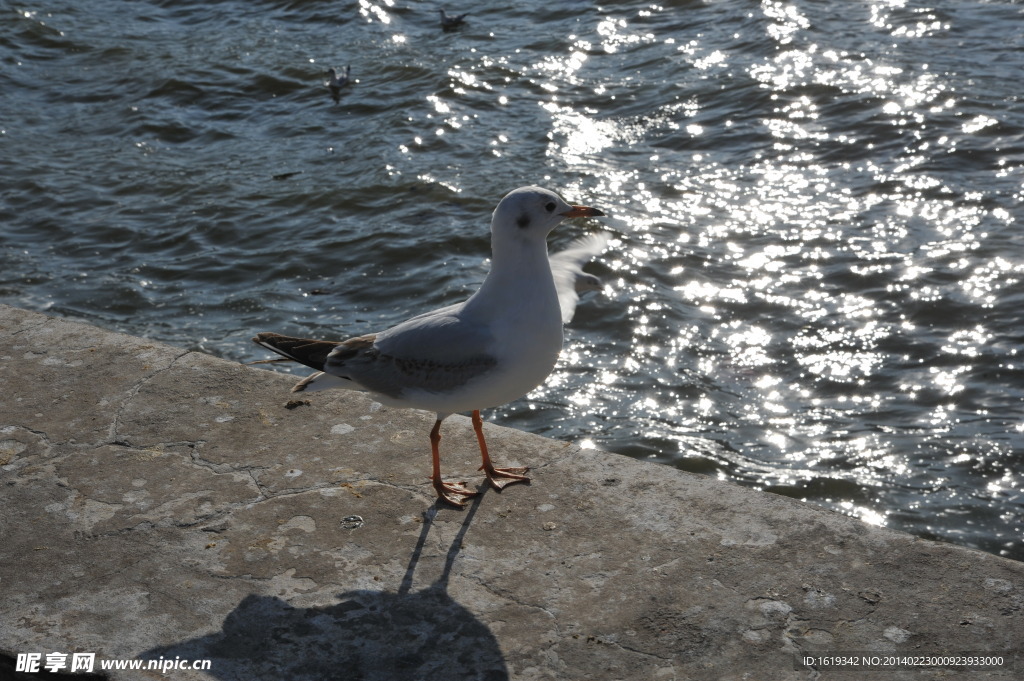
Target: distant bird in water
[
  {"x": 335, "y": 82},
  {"x": 450, "y": 22}
]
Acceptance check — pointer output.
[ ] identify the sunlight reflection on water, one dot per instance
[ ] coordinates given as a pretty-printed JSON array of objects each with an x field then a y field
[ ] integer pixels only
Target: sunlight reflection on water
[
  {"x": 816, "y": 258},
  {"x": 801, "y": 290}
]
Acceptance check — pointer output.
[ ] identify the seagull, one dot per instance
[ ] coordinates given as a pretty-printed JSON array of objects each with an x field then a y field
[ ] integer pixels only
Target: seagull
[
  {"x": 567, "y": 269},
  {"x": 335, "y": 82},
  {"x": 450, "y": 22},
  {"x": 494, "y": 347}
]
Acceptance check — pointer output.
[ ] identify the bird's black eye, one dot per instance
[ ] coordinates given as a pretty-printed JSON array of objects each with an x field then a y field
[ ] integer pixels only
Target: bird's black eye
[{"x": 550, "y": 206}]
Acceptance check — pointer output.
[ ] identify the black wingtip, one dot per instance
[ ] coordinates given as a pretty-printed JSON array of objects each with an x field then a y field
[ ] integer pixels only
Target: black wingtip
[{"x": 312, "y": 353}]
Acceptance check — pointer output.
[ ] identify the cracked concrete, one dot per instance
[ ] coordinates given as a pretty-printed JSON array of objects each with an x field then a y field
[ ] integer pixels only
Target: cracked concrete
[{"x": 158, "y": 503}]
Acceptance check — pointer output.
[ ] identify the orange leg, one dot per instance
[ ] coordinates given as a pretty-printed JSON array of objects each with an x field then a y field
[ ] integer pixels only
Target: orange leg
[
  {"x": 499, "y": 477},
  {"x": 454, "y": 493}
]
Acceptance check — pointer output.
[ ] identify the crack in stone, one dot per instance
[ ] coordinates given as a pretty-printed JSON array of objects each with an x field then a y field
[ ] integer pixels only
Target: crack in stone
[
  {"x": 327, "y": 484},
  {"x": 568, "y": 450},
  {"x": 33, "y": 327},
  {"x": 133, "y": 391},
  {"x": 259, "y": 487},
  {"x": 218, "y": 468},
  {"x": 510, "y": 598},
  {"x": 102, "y": 577},
  {"x": 636, "y": 651},
  {"x": 38, "y": 433}
]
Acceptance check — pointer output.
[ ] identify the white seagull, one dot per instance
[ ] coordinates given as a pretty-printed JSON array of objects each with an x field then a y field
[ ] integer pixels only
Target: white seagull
[{"x": 493, "y": 348}]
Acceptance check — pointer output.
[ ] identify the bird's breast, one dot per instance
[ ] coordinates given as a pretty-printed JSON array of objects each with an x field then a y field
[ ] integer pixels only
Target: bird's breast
[{"x": 528, "y": 346}]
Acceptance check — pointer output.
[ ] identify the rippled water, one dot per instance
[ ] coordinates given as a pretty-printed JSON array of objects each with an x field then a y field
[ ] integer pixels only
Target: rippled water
[{"x": 817, "y": 264}]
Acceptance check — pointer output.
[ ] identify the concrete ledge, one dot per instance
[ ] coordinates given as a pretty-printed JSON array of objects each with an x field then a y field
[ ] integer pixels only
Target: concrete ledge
[{"x": 157, "y": 503}]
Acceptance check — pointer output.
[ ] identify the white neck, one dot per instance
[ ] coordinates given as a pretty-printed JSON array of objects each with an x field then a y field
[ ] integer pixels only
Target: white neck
[{"x": 520, "y": 275}]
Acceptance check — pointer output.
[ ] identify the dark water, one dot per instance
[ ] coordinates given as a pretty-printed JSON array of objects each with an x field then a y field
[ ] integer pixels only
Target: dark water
[{"x": 818, "y": 260}]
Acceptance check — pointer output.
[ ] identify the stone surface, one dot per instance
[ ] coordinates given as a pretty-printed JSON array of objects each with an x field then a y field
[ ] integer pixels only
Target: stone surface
[{"x": 158, "y": 504}]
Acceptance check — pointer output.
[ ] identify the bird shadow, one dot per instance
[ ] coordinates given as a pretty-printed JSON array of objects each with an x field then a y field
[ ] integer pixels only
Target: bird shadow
[{"x": 366, "y": 636}]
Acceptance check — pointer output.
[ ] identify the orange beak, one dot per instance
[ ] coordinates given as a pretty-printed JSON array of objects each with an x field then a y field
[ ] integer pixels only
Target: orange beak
[{"x": 582, "y": 212}]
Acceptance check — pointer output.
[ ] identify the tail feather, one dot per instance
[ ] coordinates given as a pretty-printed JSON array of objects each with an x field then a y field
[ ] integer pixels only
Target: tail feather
[
  {"x": 312, "y": 353},
  {"x": 322, "y": 381}
]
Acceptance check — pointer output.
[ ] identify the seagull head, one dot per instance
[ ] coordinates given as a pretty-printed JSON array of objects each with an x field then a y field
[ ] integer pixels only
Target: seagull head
[{"x": 530, "y": 213}]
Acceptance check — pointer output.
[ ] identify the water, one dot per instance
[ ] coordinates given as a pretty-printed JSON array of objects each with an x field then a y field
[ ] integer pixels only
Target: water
[{"x": 817, "y": 264}]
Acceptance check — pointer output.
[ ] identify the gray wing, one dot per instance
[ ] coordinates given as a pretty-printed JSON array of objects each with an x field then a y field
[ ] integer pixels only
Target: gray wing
[
  {"x": 567, "y": 270},
  {"x": 436, "y": 352}
]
